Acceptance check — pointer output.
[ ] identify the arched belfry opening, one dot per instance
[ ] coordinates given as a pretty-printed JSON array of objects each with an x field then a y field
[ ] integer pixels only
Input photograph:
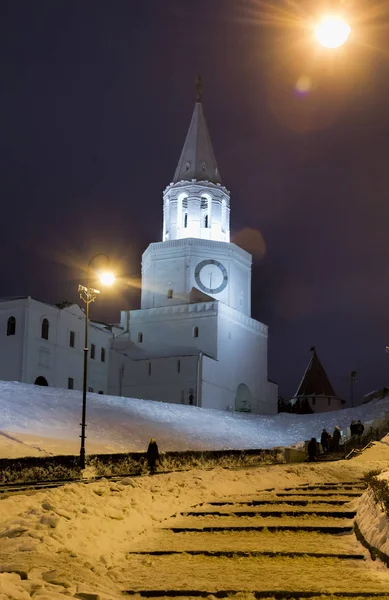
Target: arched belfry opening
[{"x": 243, "y": 398}]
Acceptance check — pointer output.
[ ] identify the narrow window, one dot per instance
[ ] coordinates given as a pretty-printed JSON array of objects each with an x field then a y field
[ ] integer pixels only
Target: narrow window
[
  {"x": 90, "y": 389},
  {"x": 92, "y": 350},
  {"x": 70, "y": 383},
  {"x": 140, "y": 338},
  {"x": 45, "y": 329},
  {"x": 186, "y": 220},
  {"x": 11, "y": 326},
  {"x": 72, "y": 338},
  {"x": 170, "y": 293},
  {"x": 102, "y": 354},
  {"x": 149, "y": 368},
  {"x": 313, "y": 401},
  {"x": 195, "y": 332},
  {"x": 204, "y": 208},
  {"x": 101, "y": 392},
  {"x": 178, "y": 366},
  {"x": 329, "y": 401}
]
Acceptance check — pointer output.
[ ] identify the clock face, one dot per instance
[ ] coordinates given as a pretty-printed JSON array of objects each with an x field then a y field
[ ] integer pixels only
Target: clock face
[{"x": 211, "y": 276}]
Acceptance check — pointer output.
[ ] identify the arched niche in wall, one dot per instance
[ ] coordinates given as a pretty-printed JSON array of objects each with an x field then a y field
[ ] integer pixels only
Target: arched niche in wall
[
  {"x": 243, "y": 398},
  {"x": 41, "y": 380}
]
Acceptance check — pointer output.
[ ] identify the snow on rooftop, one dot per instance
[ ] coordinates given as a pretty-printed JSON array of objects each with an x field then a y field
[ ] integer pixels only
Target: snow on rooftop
[{"x": 49, "y": 418}]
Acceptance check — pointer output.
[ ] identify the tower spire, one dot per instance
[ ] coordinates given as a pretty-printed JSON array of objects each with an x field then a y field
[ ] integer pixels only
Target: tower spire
[{"x": 197, "y": 160}]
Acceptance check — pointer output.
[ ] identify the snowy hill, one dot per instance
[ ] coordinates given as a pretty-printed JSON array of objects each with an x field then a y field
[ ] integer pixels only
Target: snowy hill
[{"x": 36, "y": 420}]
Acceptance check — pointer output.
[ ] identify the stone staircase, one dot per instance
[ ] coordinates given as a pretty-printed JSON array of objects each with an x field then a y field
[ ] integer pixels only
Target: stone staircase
[{"x": 276, "y": 544}]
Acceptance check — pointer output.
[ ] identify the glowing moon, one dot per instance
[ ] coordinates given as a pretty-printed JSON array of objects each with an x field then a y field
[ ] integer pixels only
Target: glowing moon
[{"x": 332, "y": 32}]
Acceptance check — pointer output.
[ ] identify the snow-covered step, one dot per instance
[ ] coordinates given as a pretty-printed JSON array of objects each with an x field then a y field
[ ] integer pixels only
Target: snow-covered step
[
  {"x": 275, "y": 511},
  {"x": 327, "y": 488},
  {"x": 307, "y": 494},
  {"x": 257, "y": 594},
  {"x": 282, "y": 541},
  {"x": 275, "y": 527},
  {"x": 256, "y": 518},
  {"x": 302, "y": 502},
  {"x": 185, "y": 572},
  {"x": 252, "y": 553}
]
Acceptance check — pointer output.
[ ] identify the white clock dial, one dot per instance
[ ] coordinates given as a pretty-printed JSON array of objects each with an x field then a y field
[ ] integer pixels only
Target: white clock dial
[{"x": 211, "y": 276}]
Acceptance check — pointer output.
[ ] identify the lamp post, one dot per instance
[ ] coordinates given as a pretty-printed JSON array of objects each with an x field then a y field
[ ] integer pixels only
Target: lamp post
[
  {"x": 88, "y": 295},
  {"x": 352, "y": 379}
]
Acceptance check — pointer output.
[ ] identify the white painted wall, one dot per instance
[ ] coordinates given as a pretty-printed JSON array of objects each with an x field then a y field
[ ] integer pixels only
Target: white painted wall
[
  {"x": 169, "y": 379},
  {"x": 28, "y": 356},
  {"x": 234, "y": 348},
  {"x": 11, "y": 347},
  {"x": 174, "y": 326},
  {"x": 172, "y": 265}
]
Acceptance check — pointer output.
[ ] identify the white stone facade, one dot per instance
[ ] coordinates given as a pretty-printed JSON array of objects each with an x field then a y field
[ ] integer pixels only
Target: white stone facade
[
  {"x": 27, "y": 356},
  {"x": 193, "y": 341}
]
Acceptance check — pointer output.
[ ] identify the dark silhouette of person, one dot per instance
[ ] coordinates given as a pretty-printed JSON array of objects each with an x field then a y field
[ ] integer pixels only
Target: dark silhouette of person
[
  {"x": 353, "y": 428},
  {"x": 312, "y": 450},
  {"x": 152, "y": 455},
  {"x": 359, "y": 428},
  {"x": 336, "y": 439},
  {"x": 324, "y": 440}
]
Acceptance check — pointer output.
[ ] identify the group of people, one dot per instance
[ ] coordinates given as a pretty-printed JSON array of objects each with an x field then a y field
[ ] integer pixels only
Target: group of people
[{"x": 330, "y": 443}]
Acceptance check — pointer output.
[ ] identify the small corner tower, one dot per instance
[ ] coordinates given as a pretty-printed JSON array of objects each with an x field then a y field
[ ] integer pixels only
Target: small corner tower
[{"x": 316, "y": 389}]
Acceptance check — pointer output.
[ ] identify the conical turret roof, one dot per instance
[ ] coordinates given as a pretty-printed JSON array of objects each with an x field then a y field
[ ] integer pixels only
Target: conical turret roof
[
  {"x": 197, "y": 160},
  {"x": 315, "y": 381}
]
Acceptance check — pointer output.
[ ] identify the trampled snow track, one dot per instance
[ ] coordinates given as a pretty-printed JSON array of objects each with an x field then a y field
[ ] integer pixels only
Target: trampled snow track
[
  {"x": 6, "y": 489},
  {"x": 34, "y": 486},
  {"x": 272, "y": 546}
]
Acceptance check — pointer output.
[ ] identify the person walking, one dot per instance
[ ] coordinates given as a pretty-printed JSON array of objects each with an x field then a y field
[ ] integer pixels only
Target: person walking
[
  {"x": 359, "y": 428},
  {"x": 336, "y": 439},
  {"x": 324, "y": 440},
  {"x": 152, "y": 455}
]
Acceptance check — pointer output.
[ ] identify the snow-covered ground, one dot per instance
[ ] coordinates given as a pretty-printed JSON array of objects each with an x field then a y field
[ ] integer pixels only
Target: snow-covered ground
[
  {"x": 78, "y": 536},
  {"x": 39, "y": 420}
]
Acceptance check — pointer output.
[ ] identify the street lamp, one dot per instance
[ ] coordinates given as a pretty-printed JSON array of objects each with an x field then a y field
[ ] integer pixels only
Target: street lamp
[
  {"x": 352, "y": 379},
  {"x": 88, "y": 295},
  {"x": 332, "y": 31}
]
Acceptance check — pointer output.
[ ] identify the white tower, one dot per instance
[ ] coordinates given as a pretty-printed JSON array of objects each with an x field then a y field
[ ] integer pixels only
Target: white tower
[
  {"x": 193, "y": 341},
  {"x": 196, "y": 251}
]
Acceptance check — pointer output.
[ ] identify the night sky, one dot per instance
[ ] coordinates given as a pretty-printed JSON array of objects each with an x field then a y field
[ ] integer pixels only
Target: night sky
[{"x": 96, "y": 100}]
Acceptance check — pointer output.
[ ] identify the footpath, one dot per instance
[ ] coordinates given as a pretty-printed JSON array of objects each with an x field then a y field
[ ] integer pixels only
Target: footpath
[{"x": 276, "y": 544}]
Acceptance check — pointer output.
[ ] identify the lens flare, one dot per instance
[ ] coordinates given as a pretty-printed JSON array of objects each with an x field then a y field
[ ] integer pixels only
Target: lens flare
[{"x": 332, "y": 32}]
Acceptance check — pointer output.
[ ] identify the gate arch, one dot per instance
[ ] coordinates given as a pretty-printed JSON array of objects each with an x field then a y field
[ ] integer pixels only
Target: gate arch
[
  {"x": 243, "y": 398},
  {"x": 41, "y": 380}
]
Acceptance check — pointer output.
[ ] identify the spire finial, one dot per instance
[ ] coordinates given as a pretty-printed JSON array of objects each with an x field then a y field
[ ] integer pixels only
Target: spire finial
[{"x": 199, "y": 89}]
